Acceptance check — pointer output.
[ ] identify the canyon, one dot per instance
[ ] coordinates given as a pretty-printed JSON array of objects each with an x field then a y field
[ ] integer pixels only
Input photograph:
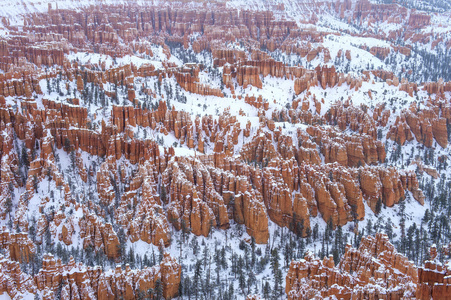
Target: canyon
[{"x": 131, "y": 133}]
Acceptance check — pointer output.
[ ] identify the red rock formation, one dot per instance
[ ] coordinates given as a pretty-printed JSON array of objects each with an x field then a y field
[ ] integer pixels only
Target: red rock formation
[
  {"x": 284, "y": 208},
  {"x": 374, "y": 270},
  {"x": 437, "y": 87},
  {"x": 381, "y": 185},
  {"x": 147, "y": 221},
  {"x": 91, "y": 283},
  {"x": 380, "y": 52},
  {"x": 188, "y": 78},
  {"x": 326, "y": 76},
  {"x": 357, "y": 118},
  {"x": 13, "y": 282},
  {"x": 425, "y": 125},
  {"x": 257, "y": 102},
  {"x": 248, "y": 75},
  {"x": 433, "y": 281},
  {"x": 260, "y": 149},
  {"x": 419, "y": 20},
  {"x": 304, "y": 83},
  {"x": 230, "y": 56},
  {"x": 400, "y": 131},
  {"x": 245, "y": 204},
  {"x": 20, "y": 247},
  {"x": 80, "y": 85},
  {"x": 428, "y": 169},
  {"x": 17, "y": 84},
  {"x": 274, "y": 175},
  {"x": 99, "y": 236},
  {"x": 348, "y": 54},
  {"x": 348, "y": 150},
  {"x": 187, "y": 210},
  {"x": 202, "y": 205},
  {"x": 408, "y": 87},
  {"x": 403, "y": 50}
]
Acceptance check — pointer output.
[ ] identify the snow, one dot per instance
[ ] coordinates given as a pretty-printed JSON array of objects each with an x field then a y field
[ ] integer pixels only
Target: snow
[
  {"x": 279, "y": 93},
  {"x": 360, "y": 57},
  {"x": 86, "y": 58},
  {"x": 24, "y": 296},
  {"x": 331, "y": 23}
]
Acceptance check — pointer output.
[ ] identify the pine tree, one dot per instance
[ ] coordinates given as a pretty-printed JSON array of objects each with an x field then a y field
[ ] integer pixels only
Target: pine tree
[
  {"x": 9, "y": 208},
  {"x": 338, "y": 248},
  {"x": 378, "y": 206},
  {"x": 197, "y": 278},
  {"x": 278, "y": 283},
  {"x": 163, "y": 193},
  {"x": 24, "y": 156},
  {"x": 231, "y": 291},
  {"x": 49, "y": 87},
  {"x": 131, "y": 258},
  {"x": 253, "y": 256},
  {"x": 242, "y": 283},
  {"x": 369, "y": 227},
  {"x": 287, "y": 253},
  {"x": 159, "y": 289},
  {"x": 315, "y": 232},
  {"x": 187, "y": 288},
  {"x": 322, "y": 252},
  {"x": 275, "y": 269},
  {"x": 389, "y": 229},
  {"x": 266, "y": 290}
]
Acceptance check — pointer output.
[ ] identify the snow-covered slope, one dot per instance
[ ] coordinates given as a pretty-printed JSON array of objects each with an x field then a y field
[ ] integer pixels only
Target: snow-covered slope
[{"x": 225, "y": 135}]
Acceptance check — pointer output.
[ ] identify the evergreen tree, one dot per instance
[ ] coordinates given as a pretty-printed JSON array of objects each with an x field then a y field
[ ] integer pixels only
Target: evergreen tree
[
  {"x": 159, "y": 289},
  {"x": 276, "y": 271},
  {"x": 197, "y": 278}
]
